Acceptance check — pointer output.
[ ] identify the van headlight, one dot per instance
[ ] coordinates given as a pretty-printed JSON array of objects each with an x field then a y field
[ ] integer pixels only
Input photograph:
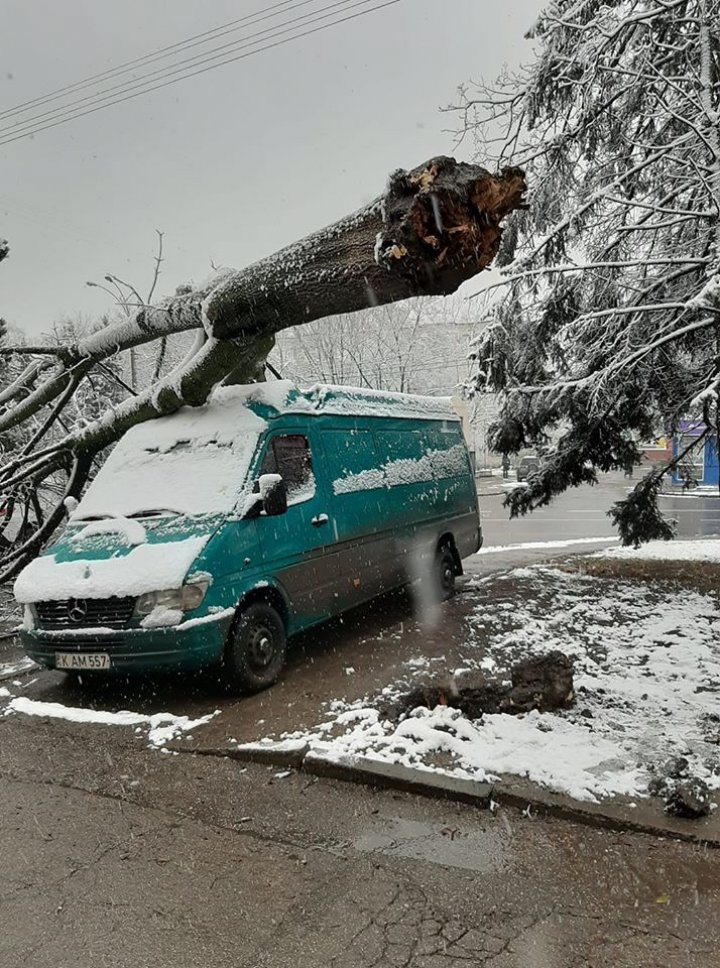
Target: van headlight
[{"x": 183, "y": 599}]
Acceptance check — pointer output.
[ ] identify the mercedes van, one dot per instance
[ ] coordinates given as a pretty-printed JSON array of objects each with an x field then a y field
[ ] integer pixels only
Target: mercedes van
[{"x": 211, "y": 536}]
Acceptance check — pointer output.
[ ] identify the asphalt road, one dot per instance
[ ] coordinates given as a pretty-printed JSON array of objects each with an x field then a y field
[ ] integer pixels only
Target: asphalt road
[
  {"x": 582, "y": 513},
  {"x": 120, "y": 856}
]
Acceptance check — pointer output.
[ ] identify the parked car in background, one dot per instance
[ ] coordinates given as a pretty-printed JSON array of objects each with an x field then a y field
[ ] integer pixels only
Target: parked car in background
[
  {"x": 527, "y": 465},
  {"x": 210, "y": 536}
]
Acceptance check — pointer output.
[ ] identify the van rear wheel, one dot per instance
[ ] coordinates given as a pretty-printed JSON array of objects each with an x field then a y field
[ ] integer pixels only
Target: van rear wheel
[
  {"x": 445, "y": 574},
  {"x": 255, "y": 651},
  {"x": 437, "y": 581}
]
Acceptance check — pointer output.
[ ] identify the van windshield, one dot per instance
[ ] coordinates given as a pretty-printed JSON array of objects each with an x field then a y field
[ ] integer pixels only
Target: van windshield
[
  {"x": 187, "y": 479},
  {"x": 193, "y": 462}
]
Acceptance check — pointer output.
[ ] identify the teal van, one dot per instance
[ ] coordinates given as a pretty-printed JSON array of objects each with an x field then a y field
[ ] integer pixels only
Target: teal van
[{"x": 211, "y": 536}]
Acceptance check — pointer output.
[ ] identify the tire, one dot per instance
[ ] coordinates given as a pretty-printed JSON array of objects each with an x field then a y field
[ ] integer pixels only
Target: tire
[
  {"x": 255, "y": 651},
  {"x": 444, "y": 574}
]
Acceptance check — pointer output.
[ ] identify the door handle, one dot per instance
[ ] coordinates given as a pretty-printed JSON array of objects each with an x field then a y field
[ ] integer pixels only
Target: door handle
[{"x": 319, "y": 519}]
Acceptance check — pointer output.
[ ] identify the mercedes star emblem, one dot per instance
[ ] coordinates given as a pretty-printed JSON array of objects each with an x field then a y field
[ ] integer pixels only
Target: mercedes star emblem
[{"x": 77, "y": 609}]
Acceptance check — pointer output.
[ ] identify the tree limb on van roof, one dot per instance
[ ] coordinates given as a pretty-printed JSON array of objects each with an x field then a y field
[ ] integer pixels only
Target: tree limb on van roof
[{"x": 433, "y": 228}]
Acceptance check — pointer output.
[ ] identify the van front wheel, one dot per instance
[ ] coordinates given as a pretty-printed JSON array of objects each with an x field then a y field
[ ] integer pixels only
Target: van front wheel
[{"x": 255, "y": 651}]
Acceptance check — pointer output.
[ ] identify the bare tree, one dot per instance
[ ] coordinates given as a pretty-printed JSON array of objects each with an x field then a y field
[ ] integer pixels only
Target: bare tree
[
  {"x": 129, "y": 301},
  {"x": 431, "y": 229},
  {"x": 418, "y": 345}
]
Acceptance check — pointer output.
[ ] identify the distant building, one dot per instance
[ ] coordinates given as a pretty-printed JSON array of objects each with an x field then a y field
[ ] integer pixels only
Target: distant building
[
  {"x": 659, "y": 449},
  {"x": 701, "y": 465}
]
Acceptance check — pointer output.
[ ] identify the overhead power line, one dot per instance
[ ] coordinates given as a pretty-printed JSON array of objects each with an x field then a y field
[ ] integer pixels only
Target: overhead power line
[
  {"x": 62, "y": 115},
  {"x": 131, "y": 65},
  {"x": 242, "y": 43}
]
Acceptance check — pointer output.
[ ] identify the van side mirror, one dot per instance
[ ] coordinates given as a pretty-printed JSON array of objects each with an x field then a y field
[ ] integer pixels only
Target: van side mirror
[{"x": 273, "y": 493}]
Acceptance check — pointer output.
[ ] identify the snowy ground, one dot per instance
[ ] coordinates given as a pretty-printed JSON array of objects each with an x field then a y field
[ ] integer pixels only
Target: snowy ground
[
  {"x": 647, "y": 678},
  {"x": 699, "y": 550},
  {"x": 159, "y": 728}
]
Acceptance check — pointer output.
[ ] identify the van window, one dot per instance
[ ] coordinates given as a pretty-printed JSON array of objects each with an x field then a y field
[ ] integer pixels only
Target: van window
[
  {"x": 289, "y": 456},
  {"x": 352, "y": 461}
]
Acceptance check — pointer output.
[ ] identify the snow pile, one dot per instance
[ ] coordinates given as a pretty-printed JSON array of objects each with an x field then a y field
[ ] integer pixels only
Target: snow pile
[
  {"x": 194, "y": 461},
  {"x": 442, "y": 740},
  {"x": 699, "y": 550},
  {"x": 162, "y": 727},
  {"x": 146, "y": 567},
  {"x": 647, "y": 661}
]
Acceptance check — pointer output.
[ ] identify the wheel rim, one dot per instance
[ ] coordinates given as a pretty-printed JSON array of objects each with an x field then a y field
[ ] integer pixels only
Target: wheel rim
[
  {"x": 261, "y": 648},
  {"x": 448, "y": 577}
]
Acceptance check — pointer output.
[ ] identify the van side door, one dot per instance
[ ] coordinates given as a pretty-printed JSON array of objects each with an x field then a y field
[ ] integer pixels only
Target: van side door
[
  {"x": 359, "y": 493},
  {"x": 298, "y": 546}
]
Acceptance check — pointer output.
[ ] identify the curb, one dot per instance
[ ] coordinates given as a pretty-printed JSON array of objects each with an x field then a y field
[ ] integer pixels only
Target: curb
[
  {"x": 481, "y": 794},
  {"x": 396, "y": 777},
  {"x": 543, "y": 806},
  {"x": 289, "y": 757}
]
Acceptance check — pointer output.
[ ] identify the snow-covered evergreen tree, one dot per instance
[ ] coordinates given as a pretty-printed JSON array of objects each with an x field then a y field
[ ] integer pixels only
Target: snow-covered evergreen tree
[{"x": 606, "y": 327}]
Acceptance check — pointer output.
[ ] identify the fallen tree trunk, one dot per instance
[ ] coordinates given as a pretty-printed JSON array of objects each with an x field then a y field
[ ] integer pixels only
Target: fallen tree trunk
[{"x": 433, "y": 228}]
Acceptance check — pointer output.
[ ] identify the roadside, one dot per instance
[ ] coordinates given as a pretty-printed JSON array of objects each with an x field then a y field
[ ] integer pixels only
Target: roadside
[
  {"x": 521, "y": 598},
  {"x": 187, "y": 859},
  {"x": 116, "y": 855}
]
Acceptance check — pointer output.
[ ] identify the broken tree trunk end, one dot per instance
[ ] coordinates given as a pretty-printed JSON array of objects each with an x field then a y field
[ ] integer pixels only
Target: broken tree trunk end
[{"x": 434, "y": 227}]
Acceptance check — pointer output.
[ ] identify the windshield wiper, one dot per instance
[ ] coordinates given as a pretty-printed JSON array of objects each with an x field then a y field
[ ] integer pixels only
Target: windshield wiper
[{"x": 154, "y": 513}]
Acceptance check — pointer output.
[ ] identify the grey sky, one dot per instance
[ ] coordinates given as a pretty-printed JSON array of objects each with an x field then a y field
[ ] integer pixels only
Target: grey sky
[{"x": 231, "y": 164}]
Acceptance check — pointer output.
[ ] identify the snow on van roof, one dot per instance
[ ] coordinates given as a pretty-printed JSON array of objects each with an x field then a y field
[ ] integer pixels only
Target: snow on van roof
[{"x": 283, "y": 396}]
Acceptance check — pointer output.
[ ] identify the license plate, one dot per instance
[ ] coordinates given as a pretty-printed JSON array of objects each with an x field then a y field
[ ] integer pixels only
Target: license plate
[{"x": 82, "y": 660}]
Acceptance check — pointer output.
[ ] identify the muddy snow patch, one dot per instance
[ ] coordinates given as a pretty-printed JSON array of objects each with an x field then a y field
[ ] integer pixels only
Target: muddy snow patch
[
  {"x": 9, "y": 670},
  {"x": 162, "y": 727}
]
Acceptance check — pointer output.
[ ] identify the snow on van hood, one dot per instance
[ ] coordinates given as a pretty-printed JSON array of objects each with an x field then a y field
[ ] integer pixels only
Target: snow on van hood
[{"x": 145, "y": 568}]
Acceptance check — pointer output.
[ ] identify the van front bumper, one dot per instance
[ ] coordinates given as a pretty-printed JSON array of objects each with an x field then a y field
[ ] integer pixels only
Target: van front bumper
[{"x": 198, "y": 645}]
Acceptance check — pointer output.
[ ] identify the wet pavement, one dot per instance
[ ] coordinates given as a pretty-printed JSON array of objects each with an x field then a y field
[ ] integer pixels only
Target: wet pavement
[
  {"x": 582, "y": 512},
  {"x": 116, "y": 856}
]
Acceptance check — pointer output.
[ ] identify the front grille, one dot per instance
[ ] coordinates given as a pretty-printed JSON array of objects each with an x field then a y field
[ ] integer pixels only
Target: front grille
[{"x": 83, "y": 613}]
